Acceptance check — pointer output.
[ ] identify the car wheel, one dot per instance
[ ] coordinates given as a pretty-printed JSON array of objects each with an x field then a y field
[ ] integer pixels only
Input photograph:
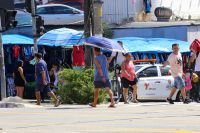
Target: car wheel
[{"x": 179, "y": 97}]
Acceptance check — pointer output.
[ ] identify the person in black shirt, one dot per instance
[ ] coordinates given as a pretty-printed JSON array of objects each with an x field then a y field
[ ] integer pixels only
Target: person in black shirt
[{"x": 19, "y": 79}]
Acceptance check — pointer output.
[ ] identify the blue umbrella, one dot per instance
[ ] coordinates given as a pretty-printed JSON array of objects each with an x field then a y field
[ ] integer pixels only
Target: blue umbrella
[
  {"x": 105, "y": 43},
  {"x": 61, "y": 37}
]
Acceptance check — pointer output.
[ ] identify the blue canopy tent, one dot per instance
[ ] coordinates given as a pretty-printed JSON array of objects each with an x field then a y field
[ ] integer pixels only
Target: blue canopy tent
[
  {"x": 154, "y": 45},
  {"x": 64, "y": 37},
  {"x": 16, "y": 39}
]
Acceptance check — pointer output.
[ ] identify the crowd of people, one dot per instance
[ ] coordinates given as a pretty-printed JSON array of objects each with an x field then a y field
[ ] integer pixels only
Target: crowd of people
[
  {"x": 46, "y": 80},
  {"x": 128, "y": 76}
]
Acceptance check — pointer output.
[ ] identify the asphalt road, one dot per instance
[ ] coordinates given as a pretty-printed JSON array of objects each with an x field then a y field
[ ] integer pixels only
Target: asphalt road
[{"x": 153, "y": 117}]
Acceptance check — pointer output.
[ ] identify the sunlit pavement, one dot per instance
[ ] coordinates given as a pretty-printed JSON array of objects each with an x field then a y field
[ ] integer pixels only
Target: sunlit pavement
[{"x": 148, "y": 117}]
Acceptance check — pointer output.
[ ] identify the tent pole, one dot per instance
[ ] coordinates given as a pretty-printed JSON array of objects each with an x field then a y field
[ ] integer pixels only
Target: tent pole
[{"x": 2, "y": 66}]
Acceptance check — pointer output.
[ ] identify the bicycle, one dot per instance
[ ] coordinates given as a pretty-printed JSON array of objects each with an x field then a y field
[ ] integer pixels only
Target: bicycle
[{"x": 117, "y": 87}]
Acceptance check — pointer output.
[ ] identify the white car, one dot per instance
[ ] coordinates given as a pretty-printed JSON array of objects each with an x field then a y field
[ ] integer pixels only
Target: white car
[
  {"x": 59, "y": 14},
  {"x": 155, "y": 82}
]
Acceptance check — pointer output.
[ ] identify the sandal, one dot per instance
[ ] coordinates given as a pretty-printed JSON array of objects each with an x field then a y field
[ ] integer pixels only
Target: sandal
[
  {"x": 112, "y": 106},
  {"x": 135, "y": 101},
  {"x": 91, "y": 105}
]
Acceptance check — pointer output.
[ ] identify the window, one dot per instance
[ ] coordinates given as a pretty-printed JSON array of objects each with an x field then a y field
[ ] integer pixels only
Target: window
[
  {"x": 23, "y": 18},
  {"x": 137, "y": 68},
  {"x": 165, "y": 71},
  {"x": 45, "y": 10},
  {"x": 62, "y": 10},
  {"x": 76, "y": 5},
  {"x": 149, "y": 72}
]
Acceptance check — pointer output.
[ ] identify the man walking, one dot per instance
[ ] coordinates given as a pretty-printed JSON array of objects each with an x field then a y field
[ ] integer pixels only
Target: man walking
[
  {"x": 101, "y": 79},
  {"x": 176, "y": 63},
  {"x": 43, "y": 80}
]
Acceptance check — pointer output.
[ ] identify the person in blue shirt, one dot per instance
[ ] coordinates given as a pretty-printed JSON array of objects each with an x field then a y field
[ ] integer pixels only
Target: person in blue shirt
[
  {"x": 101, "y": 78},
  {"x": 43, "y": 80}
]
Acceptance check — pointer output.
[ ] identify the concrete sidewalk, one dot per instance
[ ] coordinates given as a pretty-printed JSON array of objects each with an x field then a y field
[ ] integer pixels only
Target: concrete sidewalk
[{"x": 159, "y": 117}]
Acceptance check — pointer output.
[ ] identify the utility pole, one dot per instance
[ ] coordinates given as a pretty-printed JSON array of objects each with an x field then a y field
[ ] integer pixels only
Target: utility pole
[
  {"x": 97, "y": 7},
  {"x": 33, "y": 12},
  {"x": 7, "y": 21},
  {"x": 2, "y": 65},
  {"x": 87, "y": 31}
]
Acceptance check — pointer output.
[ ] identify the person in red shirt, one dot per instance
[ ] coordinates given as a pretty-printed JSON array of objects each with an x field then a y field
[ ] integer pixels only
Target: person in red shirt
[{"x": 128, "y": 78}]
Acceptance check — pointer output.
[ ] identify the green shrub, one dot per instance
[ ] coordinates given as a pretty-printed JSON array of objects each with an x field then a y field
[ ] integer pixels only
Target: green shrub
[
  {"x": 107, "y": 31},
  {"x": 77, "y": 86}
]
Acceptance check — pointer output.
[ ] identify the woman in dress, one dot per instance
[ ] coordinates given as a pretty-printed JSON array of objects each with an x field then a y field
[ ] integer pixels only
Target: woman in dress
[{"x": 19, "y": 79}]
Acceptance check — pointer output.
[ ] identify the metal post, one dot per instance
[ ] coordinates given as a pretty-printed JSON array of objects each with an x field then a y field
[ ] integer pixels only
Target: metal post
[
  {"x": 87, "y": 31},
  {"x": 34, "y": 25},
  {"x": 2, "y": 66}
]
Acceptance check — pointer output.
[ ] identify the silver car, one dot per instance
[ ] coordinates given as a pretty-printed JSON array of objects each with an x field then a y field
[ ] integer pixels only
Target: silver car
[{"x": 59, "y": 14}]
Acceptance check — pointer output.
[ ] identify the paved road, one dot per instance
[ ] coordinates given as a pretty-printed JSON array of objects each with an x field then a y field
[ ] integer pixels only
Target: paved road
[{"x": 134, "y": 118}]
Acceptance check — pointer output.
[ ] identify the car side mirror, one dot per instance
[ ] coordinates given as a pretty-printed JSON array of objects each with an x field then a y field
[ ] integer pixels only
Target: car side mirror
[{"x": 75, "y": 12}]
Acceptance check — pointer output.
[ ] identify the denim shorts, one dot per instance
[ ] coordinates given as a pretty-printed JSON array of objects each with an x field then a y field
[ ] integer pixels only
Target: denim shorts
[
  {"x": 100, "y": 84},
  {"x": 40, "y": 87},
  {"x": 179, "y": 83}
]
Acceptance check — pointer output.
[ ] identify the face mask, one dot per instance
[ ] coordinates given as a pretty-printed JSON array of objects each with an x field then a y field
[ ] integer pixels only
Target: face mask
[{"x": 33, "y": 61}]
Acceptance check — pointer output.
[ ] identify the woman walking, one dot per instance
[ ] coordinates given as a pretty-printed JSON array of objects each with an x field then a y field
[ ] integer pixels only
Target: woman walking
[
  {"x": 19, "y": 79},
  {"x": 128, "y": 78}
]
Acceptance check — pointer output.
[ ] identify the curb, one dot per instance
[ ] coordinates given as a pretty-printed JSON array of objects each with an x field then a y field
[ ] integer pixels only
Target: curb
[{"x": 11, "y": 105}]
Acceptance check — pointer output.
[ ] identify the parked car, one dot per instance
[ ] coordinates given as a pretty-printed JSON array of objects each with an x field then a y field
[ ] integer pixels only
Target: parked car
[
  {"x": 155, "y": 82},
  {"x": 24, "y": 24},
  {"x": 21, "y": 5},
  {"x": 58, "y": 14},
  {"x": 78, "y": 4}
]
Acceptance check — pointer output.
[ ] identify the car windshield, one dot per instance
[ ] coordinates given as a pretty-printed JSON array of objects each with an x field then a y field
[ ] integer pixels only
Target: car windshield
[
  {"x": 23, "y": 18},
  {"x": 137, "y": 68}
]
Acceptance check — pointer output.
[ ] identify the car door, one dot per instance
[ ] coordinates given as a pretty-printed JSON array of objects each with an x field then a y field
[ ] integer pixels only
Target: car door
[
  {"x": 67, "y": 15},
  {"x": 48, "y": 15},
  {"x": 167, "y": 82},
  {"x": 149, "y": 83}
]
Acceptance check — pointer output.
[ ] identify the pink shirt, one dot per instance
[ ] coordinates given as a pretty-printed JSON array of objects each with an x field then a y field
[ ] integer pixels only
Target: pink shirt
[
  {"x": 176, "y": 64},
  {"x": 130, "y": 68}
]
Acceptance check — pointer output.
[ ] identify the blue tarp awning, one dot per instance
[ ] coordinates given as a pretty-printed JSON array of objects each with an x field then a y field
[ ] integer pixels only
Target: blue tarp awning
[
  {"x": 157, "y": 45},
  {"x": 16, "y": 39}
]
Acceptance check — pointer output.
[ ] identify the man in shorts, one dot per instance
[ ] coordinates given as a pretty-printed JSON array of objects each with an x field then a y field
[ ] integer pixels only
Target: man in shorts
[
  {"x": 176, "y": 63},
  {"x": 101, "y": 78},
  {"x": 43, "y": 80}
]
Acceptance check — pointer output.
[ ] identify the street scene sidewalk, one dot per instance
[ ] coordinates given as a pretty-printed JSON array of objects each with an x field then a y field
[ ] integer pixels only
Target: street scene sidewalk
[
  {"x": 99, "y": 66},
  {"x": 158, "y": 117}
]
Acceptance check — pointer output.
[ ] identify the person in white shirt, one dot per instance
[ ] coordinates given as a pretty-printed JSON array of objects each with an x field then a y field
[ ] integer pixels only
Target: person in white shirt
[
  {"x": 118, "y": 58},
  {"x": 195, "y": 57},
  {"x": 176, "y": 63}
]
